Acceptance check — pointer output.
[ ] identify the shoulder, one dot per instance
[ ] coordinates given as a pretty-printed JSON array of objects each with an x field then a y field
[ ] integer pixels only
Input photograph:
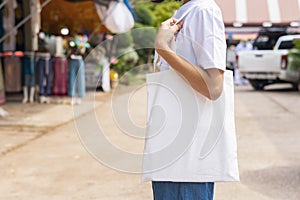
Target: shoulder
[
  {"x": 198, "y": 10},
  {"x": 211, "y": 10},
  {"x": 208, "y": 18}
]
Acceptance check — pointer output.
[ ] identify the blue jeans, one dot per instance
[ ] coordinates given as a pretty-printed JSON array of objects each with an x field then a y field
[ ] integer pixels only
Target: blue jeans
[
  {"x": 29, "y": 66},
  {"x": 76, "y": 78},
  {"x": 182, "y": 191},
  {"x": 45, "y": 75}
]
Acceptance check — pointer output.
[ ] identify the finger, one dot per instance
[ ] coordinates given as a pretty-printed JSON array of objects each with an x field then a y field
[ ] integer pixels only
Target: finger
[
  {"x": 169, "y": 22},
  {"x": 174, "y": 20},
  {"x": 179, "y": 25}
]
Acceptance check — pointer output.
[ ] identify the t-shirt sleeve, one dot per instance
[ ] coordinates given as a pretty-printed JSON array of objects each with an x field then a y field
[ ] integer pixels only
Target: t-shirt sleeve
[{"x": 207, "y": 32}]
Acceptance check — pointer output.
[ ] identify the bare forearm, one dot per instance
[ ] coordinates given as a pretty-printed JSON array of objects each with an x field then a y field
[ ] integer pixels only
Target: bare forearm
[{"x": 207, "y": 83}]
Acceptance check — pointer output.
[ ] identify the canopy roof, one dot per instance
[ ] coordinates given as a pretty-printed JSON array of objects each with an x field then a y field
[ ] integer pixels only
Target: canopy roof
[
  {"x": 80, "y": 15},
  {"x": 77, "y": 15},
  {"x": 257, "y": 12}
]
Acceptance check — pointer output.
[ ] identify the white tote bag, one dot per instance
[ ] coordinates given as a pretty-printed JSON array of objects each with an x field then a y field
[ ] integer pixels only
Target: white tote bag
[
  {"x": 189, "y": 138},
  {"x": 117, "y": 17}
]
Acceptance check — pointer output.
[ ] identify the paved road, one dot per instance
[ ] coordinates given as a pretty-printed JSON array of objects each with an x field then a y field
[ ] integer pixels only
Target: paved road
[{"x": 55, "y": 165}]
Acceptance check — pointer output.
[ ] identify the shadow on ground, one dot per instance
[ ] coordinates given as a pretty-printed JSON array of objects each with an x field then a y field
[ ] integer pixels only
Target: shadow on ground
[{"x": 277, "y": 183}]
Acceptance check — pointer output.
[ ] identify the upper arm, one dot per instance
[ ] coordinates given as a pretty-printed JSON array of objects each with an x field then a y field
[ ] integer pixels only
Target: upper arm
[{"x": 208, "y": 34}]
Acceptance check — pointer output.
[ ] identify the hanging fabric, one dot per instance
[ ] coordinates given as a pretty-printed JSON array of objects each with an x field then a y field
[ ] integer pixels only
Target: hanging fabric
[
  {"x": 60, "y": 75},
  {"x": 1, "y": 26},
  {"x": 76, "y": 77},
  {"x": 29, "y": 66},
  {"x": 35, "y": 9},
  {"x": 9, "y": 25},
  {"x": 2, "y": 89},
  {"x": 29, "y": 76},
  {"x": 12, "y": 72},
  {"x": 44, "y": 68}
]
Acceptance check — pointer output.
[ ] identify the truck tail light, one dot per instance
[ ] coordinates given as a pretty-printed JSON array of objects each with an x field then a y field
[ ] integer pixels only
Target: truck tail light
[
  {"x": 284, "y": 62},
  {"x": 237, "y": 61}
]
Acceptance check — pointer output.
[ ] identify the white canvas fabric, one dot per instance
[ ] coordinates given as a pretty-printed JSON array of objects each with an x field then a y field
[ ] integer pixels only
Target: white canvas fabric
[{"x": 189, "y": 137}]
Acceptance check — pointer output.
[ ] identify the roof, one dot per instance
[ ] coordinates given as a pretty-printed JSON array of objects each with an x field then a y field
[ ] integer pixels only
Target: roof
[
  {"x": 257, "y": 12},
  {"x": 289, "y": 37},
  {"x": 78, "y": 16}
]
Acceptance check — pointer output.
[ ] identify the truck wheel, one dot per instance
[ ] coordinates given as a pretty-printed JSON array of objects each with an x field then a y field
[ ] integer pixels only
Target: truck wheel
[{"x": 257, "y": 85}]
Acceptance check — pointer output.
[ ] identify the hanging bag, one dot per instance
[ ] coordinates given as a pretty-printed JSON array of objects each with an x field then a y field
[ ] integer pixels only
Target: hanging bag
[{"x": 116, "y": 16}]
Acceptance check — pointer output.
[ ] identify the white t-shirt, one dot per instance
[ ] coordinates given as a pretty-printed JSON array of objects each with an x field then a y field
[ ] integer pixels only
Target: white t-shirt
[
  {"x": 202, "y": 37},
  {"x": 202, "y": 42}
]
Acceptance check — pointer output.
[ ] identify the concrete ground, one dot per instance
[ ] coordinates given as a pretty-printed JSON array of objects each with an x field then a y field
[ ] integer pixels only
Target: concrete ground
[{"x": 42, "y": 157}]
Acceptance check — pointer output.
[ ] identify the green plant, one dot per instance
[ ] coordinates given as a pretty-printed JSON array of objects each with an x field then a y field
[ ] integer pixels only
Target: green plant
[
  {"x": 124, "y": 40},
  {"x": 144, "y": 39},
  {"x": 145, "y": 14},
  {"x": 126, "y": 61},
  {"x": 297, "y": 44},
  {"x": 294, "y": 59},
  {"x": 150, "y": 15},
  {"x": 293, "y": 68}
]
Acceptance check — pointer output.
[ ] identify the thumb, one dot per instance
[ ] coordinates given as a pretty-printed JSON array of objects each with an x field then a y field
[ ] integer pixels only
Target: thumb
[{"x": 177, "y": 26}]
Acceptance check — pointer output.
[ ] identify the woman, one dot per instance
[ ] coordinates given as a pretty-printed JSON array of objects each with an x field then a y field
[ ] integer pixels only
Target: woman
[{"x": 195, "y": 48}]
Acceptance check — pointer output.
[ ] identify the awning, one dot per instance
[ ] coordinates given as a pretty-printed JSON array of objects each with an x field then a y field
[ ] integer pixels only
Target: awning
[
  {"x": 257, "y": 12},
  {"x": 78, "y": 16}
]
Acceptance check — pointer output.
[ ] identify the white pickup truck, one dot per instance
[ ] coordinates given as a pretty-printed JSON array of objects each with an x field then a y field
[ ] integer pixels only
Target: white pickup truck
[{"x": 264, "y": 67}]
